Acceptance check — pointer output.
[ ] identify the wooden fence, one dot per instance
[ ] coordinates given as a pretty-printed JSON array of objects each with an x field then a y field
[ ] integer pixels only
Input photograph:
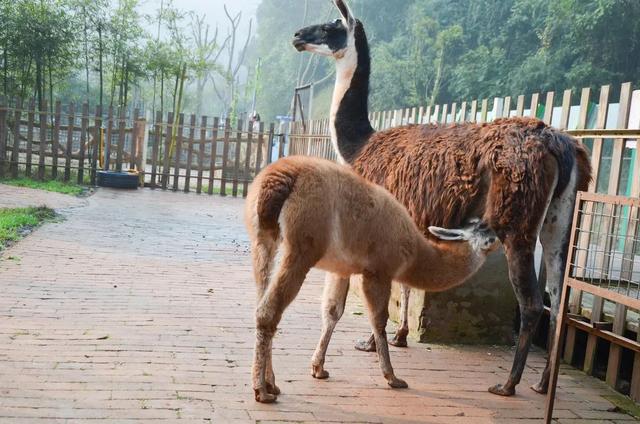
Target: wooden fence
[
  {"x": 208, "y": 156},
  {"x": 70, "y": 143},
  {"x": 609, "y": 129},
  {"x": 203, "y": 155}
]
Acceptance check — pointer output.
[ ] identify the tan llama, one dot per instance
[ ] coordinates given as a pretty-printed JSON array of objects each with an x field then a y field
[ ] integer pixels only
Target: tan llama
[{"x": 321, "y": 214}]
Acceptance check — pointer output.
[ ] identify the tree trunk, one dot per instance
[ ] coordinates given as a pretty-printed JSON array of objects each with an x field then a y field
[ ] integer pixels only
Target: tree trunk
[
  {"x": 100, "y": 64},
  {"x": 161, "y": 92},
  {"x": 86, "y": 49},
  {"x": 39, "y": 82},
  {"x": 438, "y": 79}
]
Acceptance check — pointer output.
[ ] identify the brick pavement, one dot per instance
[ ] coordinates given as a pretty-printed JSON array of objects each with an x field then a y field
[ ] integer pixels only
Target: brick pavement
[{"x": 138, "y": 308}]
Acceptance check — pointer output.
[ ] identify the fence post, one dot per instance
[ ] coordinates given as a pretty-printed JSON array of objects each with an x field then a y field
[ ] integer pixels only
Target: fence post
[
  {"x": 43, "y": 140},
  {"x": 133, "y": 151},
  {"x": 55, "y": 140},
  {"x": 167, "y": 147},
  {"x": 272, "y": 128},
  {"x": 214, "y": 154},
  {"x": 192, "y": 133},
  {"x": 178, "y": 157},
  {"x": 84, "y": 129},
  {"x": 15, "y": 152},
  {"x": 3, "y": 135},
  {"x": 225, "y": 154},
  {"x": 236, "y": 162},
  {"x": 71, "y": 122},
  {"x": 96, "y": 143},
  {"x": 31, "y": 117}
]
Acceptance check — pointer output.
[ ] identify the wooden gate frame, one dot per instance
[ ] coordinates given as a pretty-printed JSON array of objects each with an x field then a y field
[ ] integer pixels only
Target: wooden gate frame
[{"x": 564, "y": 318}]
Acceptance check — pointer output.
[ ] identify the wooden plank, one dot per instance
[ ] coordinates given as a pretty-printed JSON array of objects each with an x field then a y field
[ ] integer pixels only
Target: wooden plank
[
  {"x": 615, "y": 351},
  {"x": 548, "y": 108},
  {"x": 31, "y": 117},
  {"x": 121, "y": 138},
  {"x": 484, "y": 110},
  {"x": 635, "y": 374},
  {"x": 192, "y": 133},
  {"x": 178, "y": 152},
  {"x": 520, "y": 105},
  {"x": 454, "y": 112},
  {"x": 70, "y": 125},
  {"x": 535, "y": 98},
  {"x": 214, "y": 154},
  {"x": 619, "y": 319},
  {"x": 236, "y": 161},
  {"x": 259, "y": 157},
  {"x": 15, "y": 153},
  {"x": 166, "y": 152},
  {"x": 4, "y": 135},
  {"x": 498, "y": 105},
  {"x": 474, "y": 111},
  {"x": 133, "y": 149},
  {"x": 43, "y": 141},
  {"x": 281, "y": 147},
  {"x": 84, "y": 135},
  {"x": 443, "y": 120},
  {"x": 97, "y": 141},
  {"x": 107, "y": 141},
  {"x": 55, "y": 143},
  {"x": 155, "y": 148},
  {"x": 463, "y": 112},
  {"x": 225, "y": 155},
  {"x": 247, "y": 161},
  {"x": 566, "y": 108},
  {"x": 506, "y": 109}
]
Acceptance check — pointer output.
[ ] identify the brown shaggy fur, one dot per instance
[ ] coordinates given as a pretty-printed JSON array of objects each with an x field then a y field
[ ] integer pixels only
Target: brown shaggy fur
[{"x": 443, "y": 174}]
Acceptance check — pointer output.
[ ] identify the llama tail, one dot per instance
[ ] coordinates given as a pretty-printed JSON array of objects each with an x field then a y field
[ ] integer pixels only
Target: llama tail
[
  {"x": 273, "y": 187},
  {"x": 276, "y": 185},
  {"x": 569, "y": 154}
]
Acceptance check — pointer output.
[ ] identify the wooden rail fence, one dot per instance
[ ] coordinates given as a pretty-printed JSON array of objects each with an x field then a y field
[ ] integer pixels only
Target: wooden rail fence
[{"x": 75, "y": 142}]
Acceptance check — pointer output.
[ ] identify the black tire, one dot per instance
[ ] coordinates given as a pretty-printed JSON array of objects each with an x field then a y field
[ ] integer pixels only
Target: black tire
[{"x": 116, "y": 179}]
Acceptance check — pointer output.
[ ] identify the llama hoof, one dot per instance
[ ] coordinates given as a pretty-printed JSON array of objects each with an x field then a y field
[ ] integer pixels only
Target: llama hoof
[
  {"x": 399, "y": 340},
  {"x": 262, "y": 396},
  {"x": 500, "y": 390},
  {"x": 366, "y": 346},
  {"x": 539, "y": 388},
  {"x": 273, "y": 389},
  {"x": 397, "y": 383},
  {"x": 318, "y": 372}
]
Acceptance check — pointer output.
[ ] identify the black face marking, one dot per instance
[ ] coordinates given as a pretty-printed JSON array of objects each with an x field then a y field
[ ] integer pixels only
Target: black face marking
[{"x": 332, "y": 34}]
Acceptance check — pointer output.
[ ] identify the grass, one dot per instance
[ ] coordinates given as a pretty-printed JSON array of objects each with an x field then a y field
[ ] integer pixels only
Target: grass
[
  {"x": 51, "y": 185},
  {"x": 13, "y": 222}
]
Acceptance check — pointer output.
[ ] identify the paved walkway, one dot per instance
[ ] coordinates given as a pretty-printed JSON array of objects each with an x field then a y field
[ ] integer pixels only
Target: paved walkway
[{"x": 138, "y": 308}]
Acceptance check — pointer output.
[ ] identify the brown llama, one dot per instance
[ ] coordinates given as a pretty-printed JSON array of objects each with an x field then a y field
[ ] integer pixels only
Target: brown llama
[
  {"x": 519, "y": 175},
  {"x": 321, "y": 214}
]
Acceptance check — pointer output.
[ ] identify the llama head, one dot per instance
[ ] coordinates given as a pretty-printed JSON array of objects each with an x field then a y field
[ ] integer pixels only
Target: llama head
[
  {"x": 477, "y": 233},
  {"x": 330, "y": 39}
]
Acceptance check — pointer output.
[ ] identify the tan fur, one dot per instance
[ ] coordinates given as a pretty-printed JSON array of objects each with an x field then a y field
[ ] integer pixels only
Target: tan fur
[{"x": 331, "y": 218}]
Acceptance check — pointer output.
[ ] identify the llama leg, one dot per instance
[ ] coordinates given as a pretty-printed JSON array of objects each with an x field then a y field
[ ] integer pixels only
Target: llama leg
[
  {"x": 554, "y": 238},
  {"x": 377, "y": 291},
  {"x": 333, "y": 301},
  {"x": 525, "y": 285},
  {"x": 270, "y": 377},
  {"x": 400, "y": 338},
  {"x": 275, "y": 300},
  {"x": 263, "y": 252}
]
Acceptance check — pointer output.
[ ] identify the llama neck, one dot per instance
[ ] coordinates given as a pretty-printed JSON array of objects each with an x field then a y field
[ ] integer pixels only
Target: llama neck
[
  {"x": 350, "y": 126},
  {"x": 439, "y": 266}
]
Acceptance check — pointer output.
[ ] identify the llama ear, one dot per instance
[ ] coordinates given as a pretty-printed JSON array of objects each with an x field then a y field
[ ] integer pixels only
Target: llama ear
[
  {"x": 448, "y": 234},
  {"x": 345, "y": 12}
]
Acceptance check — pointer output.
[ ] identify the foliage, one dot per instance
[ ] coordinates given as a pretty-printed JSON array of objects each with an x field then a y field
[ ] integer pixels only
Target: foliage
[
  {"x": 436, "y": 51},
  {"x": 100, "y": 51},
  {"x": 52, "y": 185},
  {"x": 12, "y": 221}
]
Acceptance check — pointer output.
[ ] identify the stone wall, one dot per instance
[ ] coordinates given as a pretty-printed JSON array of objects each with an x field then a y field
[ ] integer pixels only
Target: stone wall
[{"x": 481, "y": 311}]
